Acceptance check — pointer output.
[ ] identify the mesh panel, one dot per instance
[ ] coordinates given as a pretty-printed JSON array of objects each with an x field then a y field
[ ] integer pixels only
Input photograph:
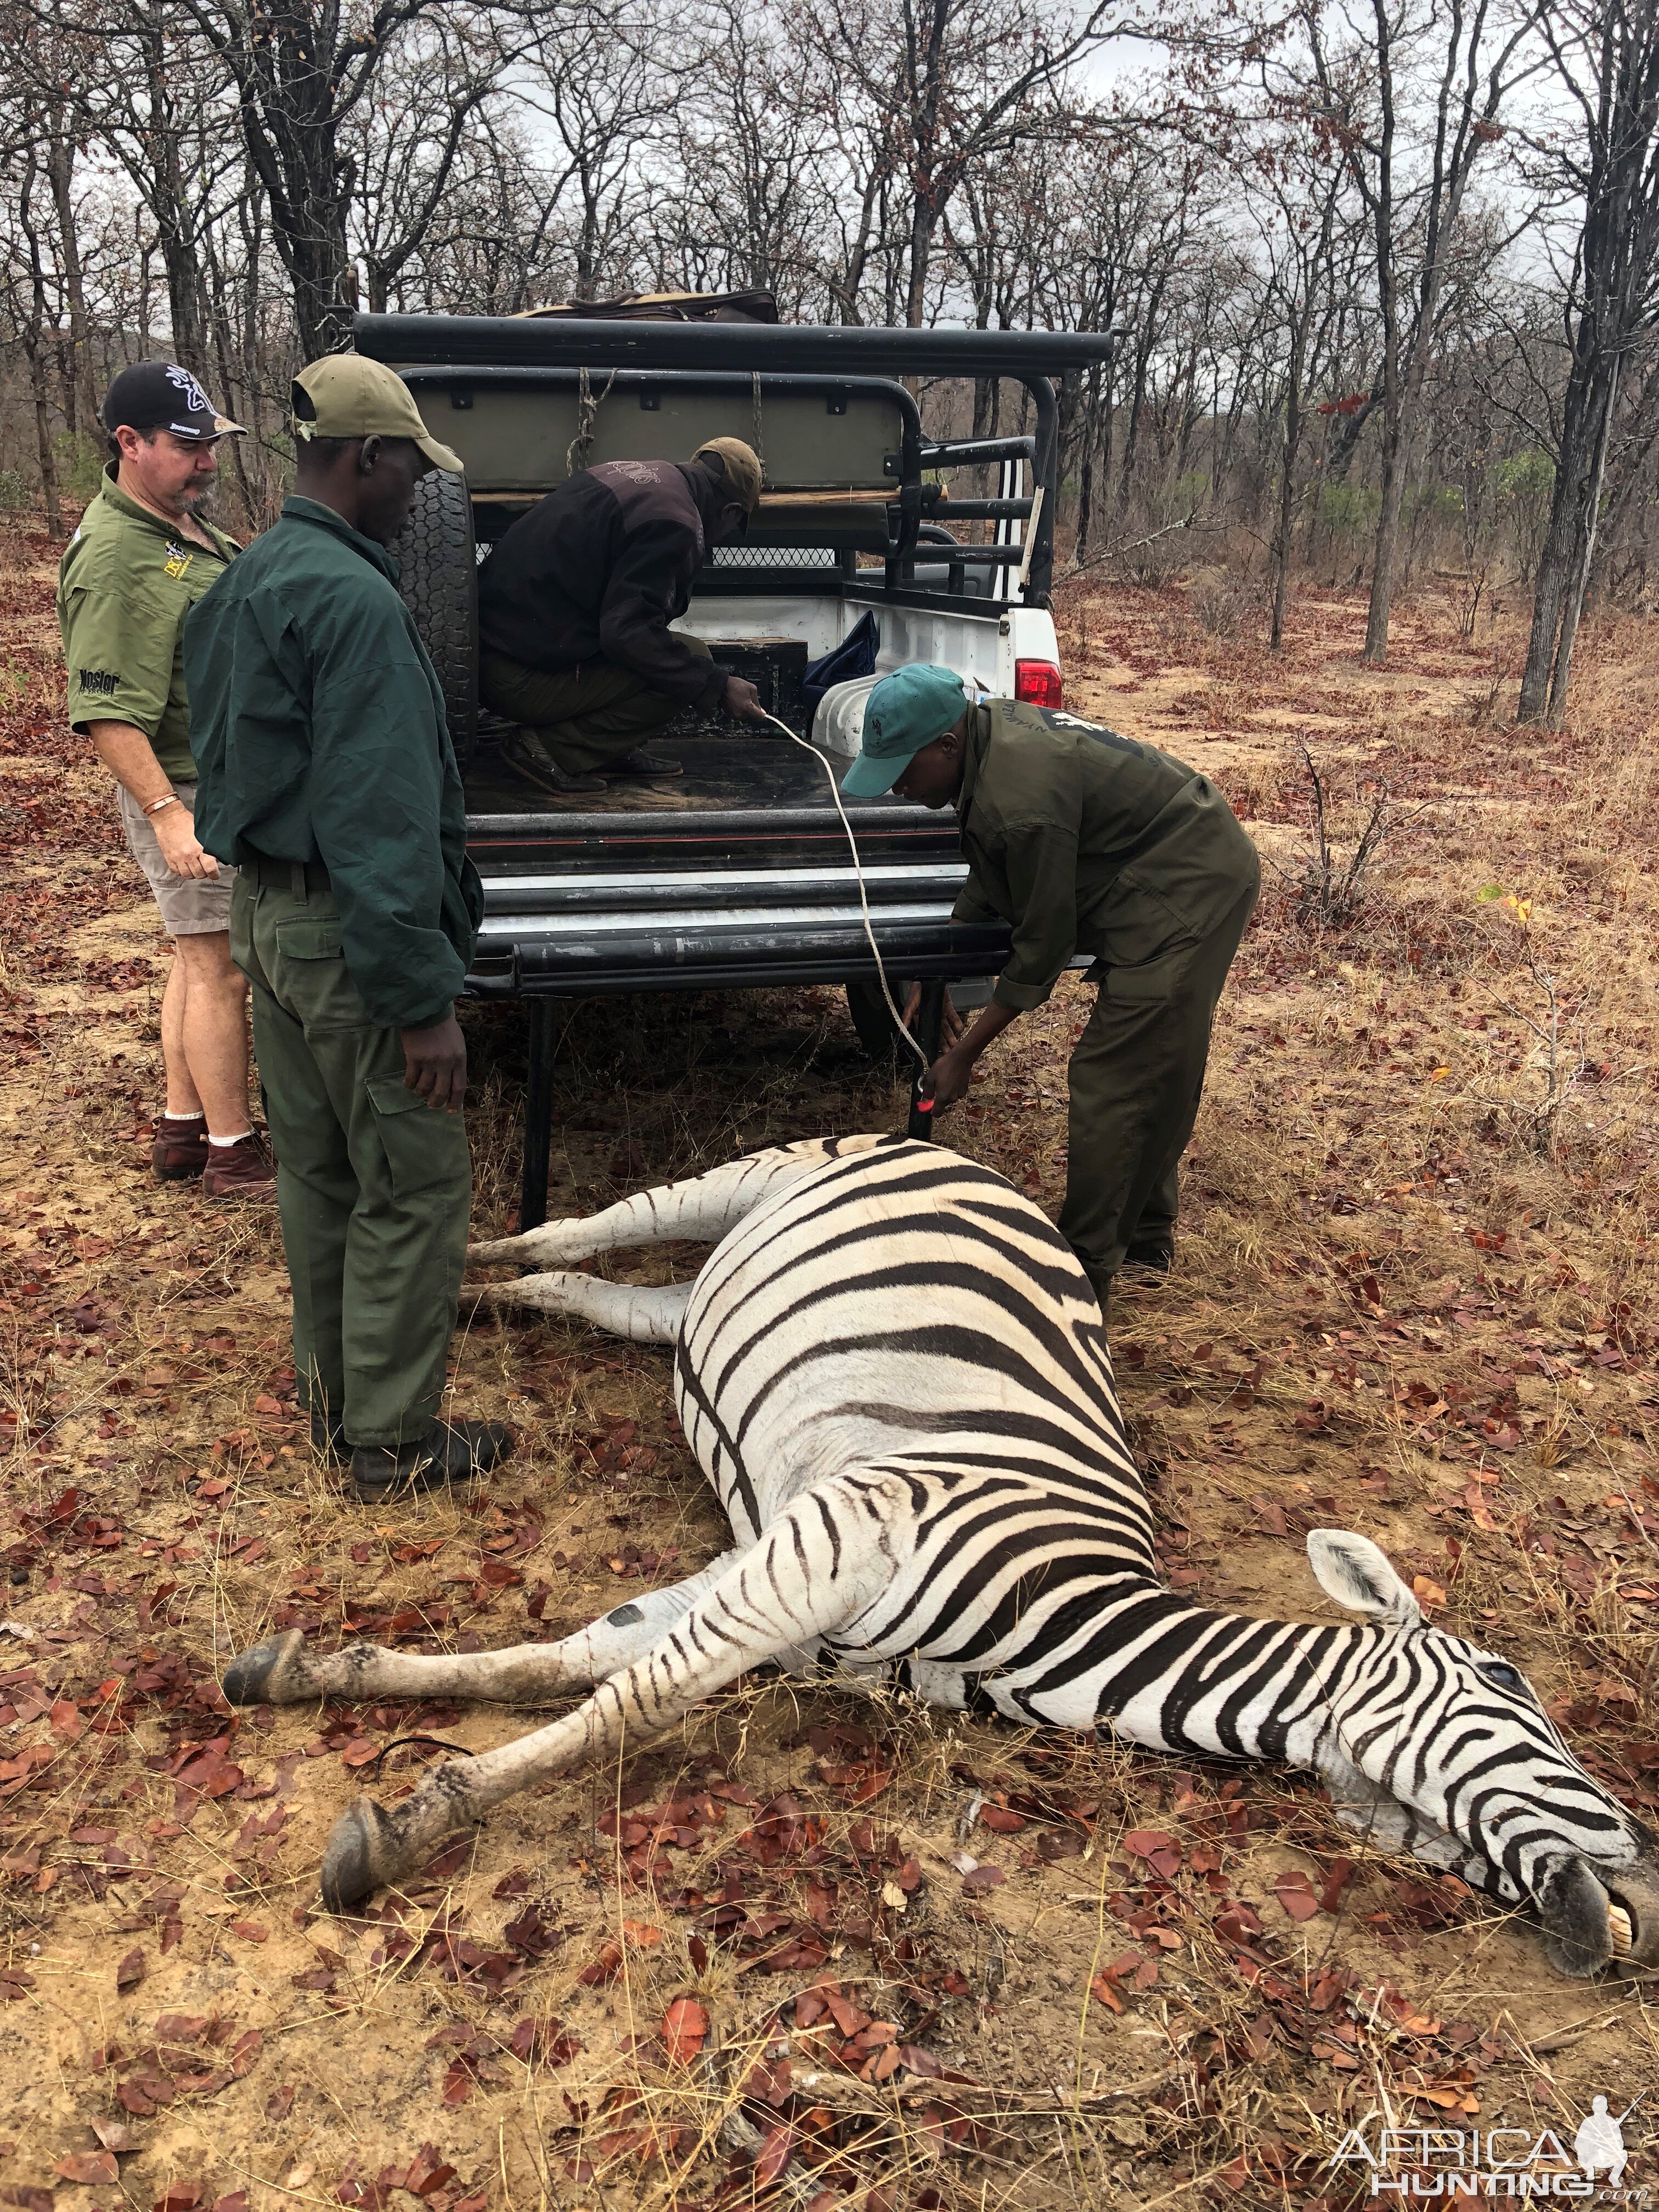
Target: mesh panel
[{"x": 773, "y": 556}]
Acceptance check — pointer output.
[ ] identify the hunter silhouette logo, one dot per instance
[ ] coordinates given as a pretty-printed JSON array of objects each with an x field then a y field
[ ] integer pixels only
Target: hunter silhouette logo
[
  {"x": 1500, "y": 2162},
  {"x": 1600, "y": 2140},
  {"x": 195, "y": 400}
]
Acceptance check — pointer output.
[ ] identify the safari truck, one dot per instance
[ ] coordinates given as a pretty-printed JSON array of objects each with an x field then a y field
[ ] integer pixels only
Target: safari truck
[{"x": 737, "y": 874}]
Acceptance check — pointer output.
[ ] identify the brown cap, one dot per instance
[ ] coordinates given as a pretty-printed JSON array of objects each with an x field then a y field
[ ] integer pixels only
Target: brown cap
[
  {"x": 348, "y": 396},
  {"x": 741, "y": 464}
]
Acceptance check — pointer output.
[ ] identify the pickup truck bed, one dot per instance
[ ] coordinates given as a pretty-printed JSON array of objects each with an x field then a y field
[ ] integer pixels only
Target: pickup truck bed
[{"x": 736, "y": 874}]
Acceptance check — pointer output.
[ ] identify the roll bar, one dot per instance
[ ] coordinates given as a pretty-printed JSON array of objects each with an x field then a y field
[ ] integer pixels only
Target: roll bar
[{"x": 433, "y": 345}]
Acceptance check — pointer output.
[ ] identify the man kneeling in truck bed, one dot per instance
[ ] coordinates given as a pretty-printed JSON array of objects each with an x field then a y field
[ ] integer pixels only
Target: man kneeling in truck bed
[{"x": 575, "y": 606}]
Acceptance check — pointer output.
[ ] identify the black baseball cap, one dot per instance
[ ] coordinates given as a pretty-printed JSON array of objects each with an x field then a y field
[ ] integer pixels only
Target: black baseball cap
[{"x": 158, "y": 395}]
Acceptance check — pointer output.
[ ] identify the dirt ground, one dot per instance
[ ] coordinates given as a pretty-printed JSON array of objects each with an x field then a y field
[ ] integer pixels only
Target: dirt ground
[{"x": 815, "y": 1951}]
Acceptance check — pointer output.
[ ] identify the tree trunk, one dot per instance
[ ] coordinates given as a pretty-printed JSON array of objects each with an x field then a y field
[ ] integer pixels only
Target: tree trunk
[
  {"x": 1286, "y": 510},
  {"x": 920, "y": 251},
  {"x": 1583, "y": 556},
  {"x": 80, "y": 399},
  {"x": 1085, "y": 487},
  {"x": 44, "y": 447},
  {"x": 1586, "y": 411}
]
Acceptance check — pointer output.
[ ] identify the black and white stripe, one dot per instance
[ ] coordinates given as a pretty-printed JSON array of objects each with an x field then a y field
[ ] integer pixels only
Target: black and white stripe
[{"x": 895, "y": 1376}]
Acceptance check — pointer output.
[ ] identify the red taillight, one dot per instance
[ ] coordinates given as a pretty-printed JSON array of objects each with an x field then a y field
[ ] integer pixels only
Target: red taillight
[{"x": 1038, "y": 683}]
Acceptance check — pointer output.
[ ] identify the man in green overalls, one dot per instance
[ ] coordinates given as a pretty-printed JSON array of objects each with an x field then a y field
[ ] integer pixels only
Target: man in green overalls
[
  {"x": 328, "y": 776},
  {"x": 1088, "y": 842}
]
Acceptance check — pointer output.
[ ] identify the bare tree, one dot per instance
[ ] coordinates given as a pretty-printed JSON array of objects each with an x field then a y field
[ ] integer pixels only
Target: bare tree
[
  {"x": 954, "y": 84},
  {"x": 1413, "y": 98},
  {"x": 402, "y": 146},
  {"x": 1606, "y": 54}
]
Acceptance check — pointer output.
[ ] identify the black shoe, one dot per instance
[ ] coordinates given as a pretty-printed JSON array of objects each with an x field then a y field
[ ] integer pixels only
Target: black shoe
[
  {"x": 524, "y": 753},
  {"x": 641, "y": 763},
  {"x": 328, "y": 1438},
  {"x": 1154, "y": 1255},
  {"x": 450, "y": 1452}
]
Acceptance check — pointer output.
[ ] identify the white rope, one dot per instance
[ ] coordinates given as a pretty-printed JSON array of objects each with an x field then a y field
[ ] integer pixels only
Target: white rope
[{"x": 922, "y": 1061}]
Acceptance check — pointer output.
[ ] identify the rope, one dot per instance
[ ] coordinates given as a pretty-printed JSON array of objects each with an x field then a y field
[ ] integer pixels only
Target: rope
[
  {"x": 587, "y": 416},
  {"x": 922, "y": 1061}
]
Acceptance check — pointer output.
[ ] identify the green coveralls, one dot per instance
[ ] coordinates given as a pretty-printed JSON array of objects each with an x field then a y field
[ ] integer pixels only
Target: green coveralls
[
  {"x": 326, "y": 774},
  {"x": 1086, "y": 842}
]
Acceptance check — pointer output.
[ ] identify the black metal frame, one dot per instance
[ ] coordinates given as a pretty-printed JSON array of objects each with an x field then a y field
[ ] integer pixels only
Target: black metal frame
[{"x": 469, "y": 349}]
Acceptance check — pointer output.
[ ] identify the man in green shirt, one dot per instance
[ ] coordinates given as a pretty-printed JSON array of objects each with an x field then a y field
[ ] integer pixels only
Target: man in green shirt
[
  {"x": 144, "y": 554},
  {"x": 1085, "y": 841},
  {"x": 327, "y": 775}
]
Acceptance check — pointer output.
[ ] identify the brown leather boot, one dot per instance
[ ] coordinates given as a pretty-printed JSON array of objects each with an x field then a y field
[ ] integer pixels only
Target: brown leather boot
[
  {"x": 179, "y": 1151},
  {"x": 244, "y": 1170}
]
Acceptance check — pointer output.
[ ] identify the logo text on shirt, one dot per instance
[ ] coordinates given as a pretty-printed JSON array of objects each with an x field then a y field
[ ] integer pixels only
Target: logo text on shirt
[
  {"x": 179, "y": 558},
  {"x": 103, "y": 682}
]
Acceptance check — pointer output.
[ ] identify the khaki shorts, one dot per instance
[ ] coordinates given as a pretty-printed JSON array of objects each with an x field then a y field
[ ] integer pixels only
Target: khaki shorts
[{"x": 191, "y": 905}]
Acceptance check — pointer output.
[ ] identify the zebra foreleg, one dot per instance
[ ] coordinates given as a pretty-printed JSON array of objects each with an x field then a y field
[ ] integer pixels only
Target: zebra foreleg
[
  {"x": 698, "y": 1212},
  {"x": 813, "y": 1573},
  {"x": 648, "y": 1317},
  {"x": 283, "y": 1673}
]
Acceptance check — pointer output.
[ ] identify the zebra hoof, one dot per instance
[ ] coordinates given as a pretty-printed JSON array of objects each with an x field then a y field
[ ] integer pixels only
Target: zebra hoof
[
  {"x": 362, "y": 1852},
  {"x": 269, "y": 1673}
]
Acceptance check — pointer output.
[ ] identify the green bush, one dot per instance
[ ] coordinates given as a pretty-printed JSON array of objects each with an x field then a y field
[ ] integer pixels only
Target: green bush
[
  {"x": 15, "y": 491},
  {"x": 1530, "y": 476},
  {"x": 1349, "y": 506}
]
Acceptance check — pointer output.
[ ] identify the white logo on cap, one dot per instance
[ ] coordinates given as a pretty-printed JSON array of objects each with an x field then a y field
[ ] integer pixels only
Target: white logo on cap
[{"x": 194, "y": 398}]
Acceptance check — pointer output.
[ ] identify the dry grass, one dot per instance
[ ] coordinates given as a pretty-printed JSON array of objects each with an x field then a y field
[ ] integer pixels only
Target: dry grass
[{"x": 1403, "y": 1303}]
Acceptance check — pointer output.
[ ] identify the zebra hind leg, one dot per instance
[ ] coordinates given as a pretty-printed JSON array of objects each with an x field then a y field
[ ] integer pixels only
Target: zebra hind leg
[
  {"x": 799, "y": 1582},
  {"x": 283, "y": 1673}
]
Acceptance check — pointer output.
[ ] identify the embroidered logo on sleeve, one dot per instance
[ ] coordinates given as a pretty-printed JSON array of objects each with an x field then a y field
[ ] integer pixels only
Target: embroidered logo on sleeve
[
  {"x": 179, "y": 558},
  {"x": 102, "y": 683}
]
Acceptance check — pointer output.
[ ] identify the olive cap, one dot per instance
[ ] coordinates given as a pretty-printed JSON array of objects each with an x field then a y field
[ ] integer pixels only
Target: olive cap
[
  {"x": 741, "y": 464},
  {"x": 346, "y": 395}
]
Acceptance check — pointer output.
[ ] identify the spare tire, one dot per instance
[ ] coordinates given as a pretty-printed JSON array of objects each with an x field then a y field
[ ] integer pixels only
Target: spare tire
[{"x": 438, "y": 578}]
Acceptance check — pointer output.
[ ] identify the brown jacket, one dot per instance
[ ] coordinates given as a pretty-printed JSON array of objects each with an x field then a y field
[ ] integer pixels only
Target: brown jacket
[{"x": 600, "y": 568}]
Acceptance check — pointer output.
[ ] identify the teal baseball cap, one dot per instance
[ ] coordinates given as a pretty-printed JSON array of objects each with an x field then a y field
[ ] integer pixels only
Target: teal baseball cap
[{"x": 906, "y": 711}]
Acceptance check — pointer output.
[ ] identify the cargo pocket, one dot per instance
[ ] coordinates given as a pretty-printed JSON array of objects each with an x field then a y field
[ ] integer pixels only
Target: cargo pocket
[
  {"x": 243, "y": 893},
  {"x": 311, "y": 979},
  {"x": 426, "y": 1152}
]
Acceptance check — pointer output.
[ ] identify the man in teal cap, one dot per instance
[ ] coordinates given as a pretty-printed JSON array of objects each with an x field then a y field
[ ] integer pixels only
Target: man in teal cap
[{"x": 1084, "y": 842}]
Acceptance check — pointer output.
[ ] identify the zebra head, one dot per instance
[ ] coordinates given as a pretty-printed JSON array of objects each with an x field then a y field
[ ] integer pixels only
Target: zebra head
[{"x": 1437, "y": 1745}]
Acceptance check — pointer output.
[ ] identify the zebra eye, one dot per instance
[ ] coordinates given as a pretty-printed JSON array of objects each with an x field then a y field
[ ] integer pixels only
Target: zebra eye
[{"x": 1502, "y": 1676}]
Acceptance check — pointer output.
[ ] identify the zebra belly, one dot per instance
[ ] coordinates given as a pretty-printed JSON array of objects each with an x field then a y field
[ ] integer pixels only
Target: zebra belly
[{"x": 885, "y": 1302}]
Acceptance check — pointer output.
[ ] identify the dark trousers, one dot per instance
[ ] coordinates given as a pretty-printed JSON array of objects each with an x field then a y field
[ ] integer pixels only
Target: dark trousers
[
  {"x": 586, "y": 717},
  {"x": 1137, "y": 1076},
  {"x": 375, "y": 1188}
]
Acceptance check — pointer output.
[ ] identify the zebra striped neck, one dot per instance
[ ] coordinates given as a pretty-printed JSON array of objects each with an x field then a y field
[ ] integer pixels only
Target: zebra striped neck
[{"x": 1157, "y": 1669}]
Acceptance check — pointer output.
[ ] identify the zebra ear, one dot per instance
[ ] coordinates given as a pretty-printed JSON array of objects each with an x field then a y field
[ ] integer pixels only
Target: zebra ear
[{"x": 1357, "y": 1574}]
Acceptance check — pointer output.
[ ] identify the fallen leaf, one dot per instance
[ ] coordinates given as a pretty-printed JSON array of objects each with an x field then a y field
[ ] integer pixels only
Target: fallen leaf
[
  {"x": 774, "y": 2155},
  {"x": 1295, "y": 1893},
  {"x": 88, "y": 2167},
  {"x": 685, "y": 2027}
]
